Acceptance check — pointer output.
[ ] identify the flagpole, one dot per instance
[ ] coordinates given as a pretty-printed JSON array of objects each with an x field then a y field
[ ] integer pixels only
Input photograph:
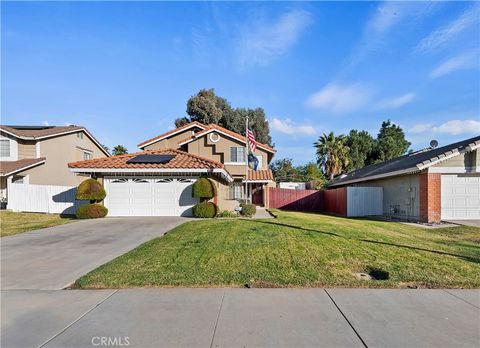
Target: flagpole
[{"x": 246, "y": 159}]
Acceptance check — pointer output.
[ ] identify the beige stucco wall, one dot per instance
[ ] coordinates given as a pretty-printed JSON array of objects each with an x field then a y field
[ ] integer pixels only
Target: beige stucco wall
[
  {"x": 469, "y": 161},
  {"x": 26, "y": 149},
  {"x": 401, "y": 193},
  {"x": 173, "y": 141},
  {"x": 59, "y": 151}
]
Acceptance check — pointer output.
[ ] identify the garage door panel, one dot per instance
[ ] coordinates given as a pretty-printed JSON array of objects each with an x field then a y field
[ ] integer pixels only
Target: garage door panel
[{"x": 460, "y": 197}]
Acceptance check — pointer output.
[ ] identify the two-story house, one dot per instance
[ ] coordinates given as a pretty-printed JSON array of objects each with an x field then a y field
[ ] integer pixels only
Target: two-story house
[
  {"x": 40, "y": 154},
  {"x": 158, "y": 181}
]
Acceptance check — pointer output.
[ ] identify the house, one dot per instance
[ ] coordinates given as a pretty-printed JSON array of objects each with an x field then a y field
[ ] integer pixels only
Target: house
[
  {"x": 39, "y": 155},
  {"x": 434, "y": 184},
  {"x": 158, "y": 181},
  {"x": 291, "y": 185}
]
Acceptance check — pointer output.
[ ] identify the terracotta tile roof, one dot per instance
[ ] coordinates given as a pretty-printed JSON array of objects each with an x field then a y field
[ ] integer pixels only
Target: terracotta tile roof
[
  {"x": 194, "y": 123},
  {"x": 38, "y": 132},
  {"x": 182, "y": 160},
  {"x": 7, "y": 167},
  {"x": 229, "y": 132},
  {"x": 260, "y": 175}
]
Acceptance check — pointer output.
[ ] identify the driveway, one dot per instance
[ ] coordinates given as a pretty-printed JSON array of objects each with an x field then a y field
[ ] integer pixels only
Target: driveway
[
  {"x": 52, "y": 258},
  {"x": 474, "y": 223}
]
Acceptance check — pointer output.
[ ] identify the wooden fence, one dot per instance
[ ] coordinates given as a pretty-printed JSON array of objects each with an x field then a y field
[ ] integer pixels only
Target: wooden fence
[{"x": 299, "y": 200}]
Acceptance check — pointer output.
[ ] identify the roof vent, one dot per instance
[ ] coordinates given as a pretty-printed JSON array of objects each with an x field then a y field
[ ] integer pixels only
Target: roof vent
[
  {"x": 158, "y": 159},
  {"x": 433, "y": 144}
]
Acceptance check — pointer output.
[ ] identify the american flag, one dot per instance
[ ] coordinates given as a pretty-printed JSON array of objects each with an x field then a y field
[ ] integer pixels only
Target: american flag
[{"x": 251, "y": 139}]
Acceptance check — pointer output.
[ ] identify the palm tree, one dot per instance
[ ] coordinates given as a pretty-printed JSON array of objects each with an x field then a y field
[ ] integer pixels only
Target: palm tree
[{"x": 332, "y": 154}]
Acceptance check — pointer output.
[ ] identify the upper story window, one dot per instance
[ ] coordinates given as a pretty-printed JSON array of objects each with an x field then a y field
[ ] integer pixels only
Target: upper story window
[
  {"x": 237, "y": 154},
  {"x": 87, "y": 156},
  {"x": 80, "y": 135},
  {"x": 260, "y": 161},
  {"x": 4, "y": 148}
]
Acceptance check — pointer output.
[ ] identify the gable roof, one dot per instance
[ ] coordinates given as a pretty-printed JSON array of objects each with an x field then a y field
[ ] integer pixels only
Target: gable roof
[
  {"x": 213, "y": 127},
  {"x": 11, "y": 167},
  {"x": 171, "y": 132},
  {"x": 410, "y": 163},
  {"x": 44, "y": 132}
]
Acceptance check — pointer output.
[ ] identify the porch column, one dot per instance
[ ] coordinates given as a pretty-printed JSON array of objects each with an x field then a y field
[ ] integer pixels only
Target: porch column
[{"x": 430, "y": 197}]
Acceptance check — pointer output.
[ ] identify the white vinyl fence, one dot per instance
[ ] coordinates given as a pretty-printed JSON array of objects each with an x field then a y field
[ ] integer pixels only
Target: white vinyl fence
[
  {"x": 42, "y": 198},
  {"x": 364, "y": 201}
]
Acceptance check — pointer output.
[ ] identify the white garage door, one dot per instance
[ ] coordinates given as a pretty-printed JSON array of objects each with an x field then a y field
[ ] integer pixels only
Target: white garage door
[
  {"x": 460, "y": 197},
  {"x": 140, "y": 196}
]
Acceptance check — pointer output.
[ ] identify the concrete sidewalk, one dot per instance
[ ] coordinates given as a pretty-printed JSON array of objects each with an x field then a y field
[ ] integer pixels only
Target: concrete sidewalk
[{"x": 241, "y": 317}]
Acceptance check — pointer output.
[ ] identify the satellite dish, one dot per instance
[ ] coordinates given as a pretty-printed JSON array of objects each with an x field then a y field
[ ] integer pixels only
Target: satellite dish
[{"x": 433, "y": 144}]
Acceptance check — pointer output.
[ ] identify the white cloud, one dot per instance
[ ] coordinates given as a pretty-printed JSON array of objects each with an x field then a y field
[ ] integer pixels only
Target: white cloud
[
  {"x": 287, "y": 126},
  {"x": 452, "y": 127},
  {"x": 464, "y": 61},
  {"x": 396, "y": 102},
  {"x": 262, "y": 42},
  {"x": 420, "y": 128},
  {"x": 443, "y": 35},
  {"x": 455, "y": 127},
  {"x": 45, "y": 123},
  {"x": 340, "y": 98}
]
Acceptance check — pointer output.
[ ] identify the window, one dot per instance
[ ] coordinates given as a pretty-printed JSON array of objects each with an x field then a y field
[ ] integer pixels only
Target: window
[
  {"x": 235, "y": 190},
  {"x": 260, "y": 161},
  {"x": 237, "y": 154},
  {"x": 80, "y": 135},
  {"x": 4, "y": 148},
  {"x": 18, "y": 179},
  {"x": 87, "y": 155}
]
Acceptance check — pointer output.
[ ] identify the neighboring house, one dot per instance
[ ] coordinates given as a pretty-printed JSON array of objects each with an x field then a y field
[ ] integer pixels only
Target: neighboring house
[
  {"x": 430, "y": 185},
  {"x": 158, "y": 181},
  {"x": 292, "y": 185},
  {"x": 40, "y": 154}
]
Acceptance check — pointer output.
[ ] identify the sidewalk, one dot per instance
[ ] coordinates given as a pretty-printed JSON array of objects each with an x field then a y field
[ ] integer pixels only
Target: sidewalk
[{"x": 241, "y": 317}]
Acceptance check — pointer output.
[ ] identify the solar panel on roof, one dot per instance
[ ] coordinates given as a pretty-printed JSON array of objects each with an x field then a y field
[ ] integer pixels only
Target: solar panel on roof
[{"x": 160, "y": 159}]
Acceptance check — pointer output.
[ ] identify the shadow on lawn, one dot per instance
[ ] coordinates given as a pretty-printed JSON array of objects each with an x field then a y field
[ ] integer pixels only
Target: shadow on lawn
[{"x": 466, "y": 258}]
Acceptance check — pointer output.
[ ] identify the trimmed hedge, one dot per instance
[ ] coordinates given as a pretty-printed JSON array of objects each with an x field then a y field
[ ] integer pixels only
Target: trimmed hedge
[
  {"x": 205, "y": 210},
  {"x": 248, "y": 210},
  {"x": 91, "y": 211},
  {"x": 204, "y": 188},
  {"x": 90, "y": 190}
]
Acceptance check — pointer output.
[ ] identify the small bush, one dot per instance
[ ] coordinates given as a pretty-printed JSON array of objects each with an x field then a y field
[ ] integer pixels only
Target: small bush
[
  {"x": 91, "y": 211},
  {"x": 248, "y": 210},
  {"x": 227, "y": 214},
  {"x": 205, "y": 210},
  {"x": 204, "y": 188},
  {"x": 90, "y": 190}
]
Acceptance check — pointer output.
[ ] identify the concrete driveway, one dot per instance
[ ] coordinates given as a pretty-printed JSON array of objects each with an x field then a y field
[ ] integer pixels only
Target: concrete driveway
[
  {"x": 52, "y": 258},
  {"x": 474, "y": 223}
]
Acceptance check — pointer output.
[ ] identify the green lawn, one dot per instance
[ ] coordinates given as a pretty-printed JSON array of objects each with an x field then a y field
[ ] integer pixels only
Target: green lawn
[
  {"x": 297, "y": 249},
  {"x": 13, "y": 223}
]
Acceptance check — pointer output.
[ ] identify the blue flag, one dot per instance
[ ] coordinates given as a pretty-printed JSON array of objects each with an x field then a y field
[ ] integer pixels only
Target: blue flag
[{"x": 252, "y": 161}]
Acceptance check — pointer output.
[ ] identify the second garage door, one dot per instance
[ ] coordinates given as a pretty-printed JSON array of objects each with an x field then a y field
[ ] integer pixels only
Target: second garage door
[
  {"x": 460, "y": 197},
  {"x": 141, "y": 196}
]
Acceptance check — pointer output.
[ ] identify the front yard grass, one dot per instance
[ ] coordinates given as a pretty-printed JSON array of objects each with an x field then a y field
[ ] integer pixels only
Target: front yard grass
[
  {"x": 297, "y": 250},
  {"x": 13, "y": 223}
]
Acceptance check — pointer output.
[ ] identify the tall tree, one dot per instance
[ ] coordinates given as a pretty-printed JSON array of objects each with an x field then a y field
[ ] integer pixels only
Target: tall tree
[
  {"x": 332, "y": 154},
  {"x": 361, "y": 145},
  {"x": 311, "y": 173},
  {"x": 119, "y": 150},
  {"x": 284, "y": 170},
  {"x": 390, "y": 143},
  {"x": 206, "y": 107}
]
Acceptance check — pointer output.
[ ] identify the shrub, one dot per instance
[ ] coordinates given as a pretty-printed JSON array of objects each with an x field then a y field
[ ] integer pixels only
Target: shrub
[
  {"x": 90, "y": 190},
  {"x": 227, "y": 214},
  {"x": 91, "y": 211},
  {"x": 248, "y": 210},
  {"x": 205, "y": 210},
  {"x": 204, "y": 188}
]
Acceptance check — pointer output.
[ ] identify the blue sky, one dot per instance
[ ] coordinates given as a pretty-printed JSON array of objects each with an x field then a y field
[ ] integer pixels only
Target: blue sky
[{"x": 125, "y": 70}]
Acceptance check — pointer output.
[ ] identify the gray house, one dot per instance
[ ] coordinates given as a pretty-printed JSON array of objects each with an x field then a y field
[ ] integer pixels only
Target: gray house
[{"x": 430, "y": 185}]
